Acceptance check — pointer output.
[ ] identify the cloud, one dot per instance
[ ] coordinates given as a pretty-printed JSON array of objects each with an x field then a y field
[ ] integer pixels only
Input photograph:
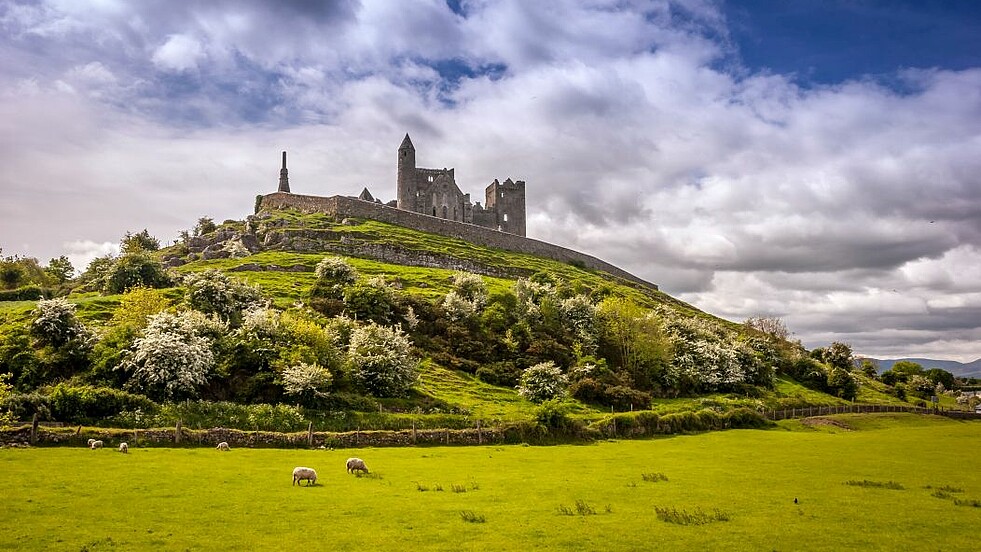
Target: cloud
[{"x": 852, "y": 210}]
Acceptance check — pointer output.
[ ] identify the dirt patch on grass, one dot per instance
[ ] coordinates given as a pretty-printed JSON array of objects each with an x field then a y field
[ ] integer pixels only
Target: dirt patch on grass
[{"x": 819, "y": 421}]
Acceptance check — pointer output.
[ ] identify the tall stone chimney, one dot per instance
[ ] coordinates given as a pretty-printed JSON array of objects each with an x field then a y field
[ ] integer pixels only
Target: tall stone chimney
[{"x": 284, "y": 179}]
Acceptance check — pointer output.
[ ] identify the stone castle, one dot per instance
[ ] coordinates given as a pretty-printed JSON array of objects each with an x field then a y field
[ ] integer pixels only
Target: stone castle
[
  {"x": 434, "y": 192},
  {"x": 429, "y": 200}
]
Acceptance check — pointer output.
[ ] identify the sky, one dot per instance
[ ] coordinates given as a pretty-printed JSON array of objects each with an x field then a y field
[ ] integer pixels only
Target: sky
[{"x": 813, "y": 160}]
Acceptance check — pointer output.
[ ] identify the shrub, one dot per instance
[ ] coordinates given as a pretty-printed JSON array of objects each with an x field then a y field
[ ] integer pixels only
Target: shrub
[
  {"x": 133, "y": 270},
  {"x": 306, "y": 382},
  {"x": 172, "y": 360},
  {"x": 54, "y": 323},
  {"x": 27, "y": 293},
  {"x": 381, "y": 361},
  {"x": 86, "y": 404},
  {"x": 212, "y": 292},
  {"x": 542, "y": 382},
  {"x": 504, "y": 374}
]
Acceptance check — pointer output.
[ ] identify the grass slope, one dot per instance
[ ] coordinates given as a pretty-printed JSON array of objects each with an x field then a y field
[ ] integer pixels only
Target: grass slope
[{"x": 177, "y": 499}]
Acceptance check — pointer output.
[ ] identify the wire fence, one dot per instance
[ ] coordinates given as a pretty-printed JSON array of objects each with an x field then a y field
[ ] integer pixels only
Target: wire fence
[{"x": 810, "y": 411}]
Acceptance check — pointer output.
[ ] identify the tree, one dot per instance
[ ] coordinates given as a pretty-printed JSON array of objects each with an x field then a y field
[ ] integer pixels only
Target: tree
[
  {"x": 141, "y": 242},
  {"x": 212, "y": 292},
  {"x": 60, "y": 269},
  {"x": 306, "y": 382},
  {"x": 906, "y": 368},
  {"x": 134, "y": 270},
  {"x": 838, "y": 355},
  {"x": 172, "y": 360},
  {"x": 869, "y": 368},
  {"x": 380, "y": 360},
  {"x": 769, "y": 325},
  {"x": 333, "y": 274},
  {"x": 5, "y": 417},
  {"x": 205, "y": 225},
  {"x": 55, "y": 323},
  {"x": 542, "y": 382},
  {"x": 843, "y": 384},
  {"x": 12, "y": 275},
  {"x": 633, "y": 340},
  {"x": 942, "y": 377}
]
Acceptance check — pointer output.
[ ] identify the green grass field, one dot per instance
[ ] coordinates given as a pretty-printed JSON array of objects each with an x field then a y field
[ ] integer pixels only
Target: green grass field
[{"x": 589, "y": 497}]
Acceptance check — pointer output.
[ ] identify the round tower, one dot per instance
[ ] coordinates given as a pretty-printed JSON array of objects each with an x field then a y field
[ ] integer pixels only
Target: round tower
[{"x": 406, "y": 192}]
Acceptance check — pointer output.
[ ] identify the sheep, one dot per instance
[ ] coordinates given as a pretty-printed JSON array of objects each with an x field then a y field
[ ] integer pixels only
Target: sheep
[
  {"x": 223, "y": 446},
  {"x": 300, "y": 473},
  {"x": 89, "y": 444},
  {"x": 356, "y": 464},
  {"x": 124, "y": 448},
  {"x": 95, "y": 445}
]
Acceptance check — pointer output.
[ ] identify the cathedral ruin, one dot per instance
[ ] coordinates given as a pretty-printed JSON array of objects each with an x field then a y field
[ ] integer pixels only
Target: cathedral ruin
[{"x": 434, "y": 192}]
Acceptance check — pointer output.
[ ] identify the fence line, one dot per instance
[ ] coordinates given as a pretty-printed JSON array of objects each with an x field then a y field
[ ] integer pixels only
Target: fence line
[{"x": 809, "y": 411}]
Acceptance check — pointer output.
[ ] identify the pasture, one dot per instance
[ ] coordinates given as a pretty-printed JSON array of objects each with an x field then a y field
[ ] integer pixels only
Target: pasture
[{"x": 886, "y": 482}]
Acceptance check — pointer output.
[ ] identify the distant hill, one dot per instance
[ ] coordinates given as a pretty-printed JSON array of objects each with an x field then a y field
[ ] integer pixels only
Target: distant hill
[{"x": 960, "y": 369}]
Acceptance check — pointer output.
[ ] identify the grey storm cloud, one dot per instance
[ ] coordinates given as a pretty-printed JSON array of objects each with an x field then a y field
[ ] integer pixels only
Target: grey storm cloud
[{"x": 852, "y": 210}]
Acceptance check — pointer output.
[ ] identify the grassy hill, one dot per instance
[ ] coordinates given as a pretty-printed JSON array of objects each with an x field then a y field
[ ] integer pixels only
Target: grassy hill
[{"x": 640, "y": 349}]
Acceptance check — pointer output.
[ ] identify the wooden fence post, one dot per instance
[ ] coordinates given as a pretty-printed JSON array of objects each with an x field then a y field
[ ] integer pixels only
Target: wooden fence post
[
  {"x": 310, "y": 435},
  {"x": 480, "y": 439},
  {"x": 34, "y": 430},
  {"x": 177, "y": 432},
  {"x": 413, "y": 432}
]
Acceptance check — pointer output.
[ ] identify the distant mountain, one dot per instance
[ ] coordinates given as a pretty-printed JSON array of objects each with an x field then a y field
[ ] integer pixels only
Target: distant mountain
[{"x": 960, "y": 369}]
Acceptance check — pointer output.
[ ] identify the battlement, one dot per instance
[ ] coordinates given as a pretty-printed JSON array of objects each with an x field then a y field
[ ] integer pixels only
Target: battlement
[{"x": 341, "y": 207}]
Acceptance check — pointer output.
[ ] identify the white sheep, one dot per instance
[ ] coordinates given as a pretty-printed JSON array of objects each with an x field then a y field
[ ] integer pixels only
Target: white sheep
[
  {"x": 123, "y": 448},
  {"x": 223, "y": 446},
  {"x": 89, "y": 444},
  {"x": 356, "y": 464},
  {"x": 95, "y": 445},
  {"x": 300, "y": 473}
]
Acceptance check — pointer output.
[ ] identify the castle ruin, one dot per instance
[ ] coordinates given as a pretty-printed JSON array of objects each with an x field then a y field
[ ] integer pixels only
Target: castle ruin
[{"x": 435, "y": 192}]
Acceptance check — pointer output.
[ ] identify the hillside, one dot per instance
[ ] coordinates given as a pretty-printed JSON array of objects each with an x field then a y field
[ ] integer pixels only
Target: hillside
[{"x": 287, "y": 318}]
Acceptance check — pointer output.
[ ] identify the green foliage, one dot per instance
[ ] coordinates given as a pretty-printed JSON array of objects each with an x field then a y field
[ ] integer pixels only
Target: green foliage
[
  {"x": 695, "y": 517},
  {"x": 306, "y": 382},
  {"x": 60, "y": 269},
  {"x": 131, "y": 270},
  {"x": 205, "y": 225},
  {"x": 843, "y": 384},
  {"x": 6, "y": 416},
  {"x": 907, "y": 368},
  {"x": 140, "y": 242},
  {"x": 86, "y": 404},
  {"x": 839, "y": 356},
  {"x": 31, "y": 292}
]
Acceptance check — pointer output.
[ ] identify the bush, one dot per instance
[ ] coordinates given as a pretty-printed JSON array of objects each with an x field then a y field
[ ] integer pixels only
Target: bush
[
  {"x": 172, "y": 360},
  {"x": 135, "y": 270},
  {"x": 26, "y": 293},
  {"x": 85, "y": 404},
  {"x": 504, "y": 374},
  {"x": 212, "y": 292},
  {"x": 23, "y": 406},
  {"x": 381, "y": 361},
  {"x": 542, "y": 382},
  {"x": 55, "y": 323}
]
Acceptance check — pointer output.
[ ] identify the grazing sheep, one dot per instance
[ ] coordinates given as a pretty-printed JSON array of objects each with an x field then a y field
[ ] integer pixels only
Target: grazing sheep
[
  {"x": 356, "y": 464},
  {"x": 95, "y": 445},
  {"x": 89, "y": 444},
  {"x": 300, "y": 473},
  {"x": 223, "y": 446},
  {"x": 123, "y": 448}
]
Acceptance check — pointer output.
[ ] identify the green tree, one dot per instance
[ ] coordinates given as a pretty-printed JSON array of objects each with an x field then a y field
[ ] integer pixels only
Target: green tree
[
  {"x": 60, "y": 269},
  {"x": 135, "y": 270},
  {"x": 843, "y": 384},
  {"x": 140, "y": 242},
  {"x": 906, "y": 368},
  {"x": 939, "y": 376},
  {"x": 839, "y": 355},
  {"x": 205, "y": 225},
  {"x": 869, "y": 368}
]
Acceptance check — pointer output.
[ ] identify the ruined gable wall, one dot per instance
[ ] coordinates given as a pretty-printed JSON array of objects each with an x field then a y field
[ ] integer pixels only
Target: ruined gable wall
[{"x": 341, "y": 207}]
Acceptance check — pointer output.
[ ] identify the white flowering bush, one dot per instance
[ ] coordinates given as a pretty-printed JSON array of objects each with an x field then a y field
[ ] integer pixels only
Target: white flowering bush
[
  {"x": 54, "y": 323},
  {"x": 306, "y": 382},
  {"x": 468, "y": 297},
  {"x": 380, "y": 360},
  {"x": 336, "y": 270},
  {"x": 212, "y": 292},
  {"x": 579, "y": 316},
  {"x": 173, "y": 358},
  {"x": 530, "y": 295},
  {"x": 262, "y": 323},
  {"x": 542, "y": 382},
  {"x": 458, "y": 308},
  {"x": 707, "y": 357}
]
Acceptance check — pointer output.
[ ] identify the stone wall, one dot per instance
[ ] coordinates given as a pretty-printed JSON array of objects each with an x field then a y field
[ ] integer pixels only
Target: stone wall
[{"x": 341, "y": 207}]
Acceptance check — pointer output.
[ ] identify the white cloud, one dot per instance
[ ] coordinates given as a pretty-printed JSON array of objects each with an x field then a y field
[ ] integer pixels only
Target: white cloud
[{"x": 179, "y": 53}]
